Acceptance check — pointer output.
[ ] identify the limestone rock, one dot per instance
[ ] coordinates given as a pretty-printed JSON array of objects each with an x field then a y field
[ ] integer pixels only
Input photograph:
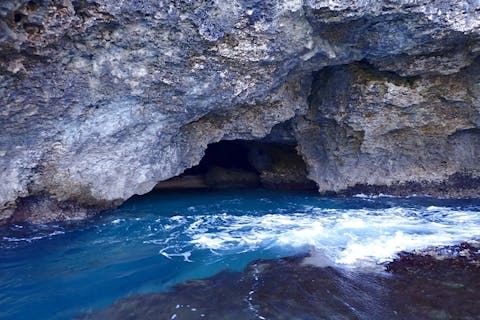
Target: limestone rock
[
  {"x": 102, "y": 99},
  {"x": 280, "y": 167},
  {"x": 370, "y": 128}
]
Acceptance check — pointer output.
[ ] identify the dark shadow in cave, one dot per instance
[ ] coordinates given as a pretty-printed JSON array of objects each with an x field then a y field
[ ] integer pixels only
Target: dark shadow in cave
[
  {"x": 226, "y": 154},
  {"x": 245, "y": 164}
]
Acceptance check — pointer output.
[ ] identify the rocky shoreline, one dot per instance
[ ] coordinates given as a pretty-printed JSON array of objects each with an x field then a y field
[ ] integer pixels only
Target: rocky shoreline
[
  {"x": 437, "y": 283},
  {"x": 102, "y": 100}
]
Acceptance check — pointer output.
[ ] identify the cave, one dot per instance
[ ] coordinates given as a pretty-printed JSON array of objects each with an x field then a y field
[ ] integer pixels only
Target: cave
[{"x": 245, "y": 164}]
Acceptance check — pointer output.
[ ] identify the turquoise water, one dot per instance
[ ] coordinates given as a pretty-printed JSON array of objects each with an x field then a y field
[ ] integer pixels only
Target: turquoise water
[{"x": 158, "y": 240}]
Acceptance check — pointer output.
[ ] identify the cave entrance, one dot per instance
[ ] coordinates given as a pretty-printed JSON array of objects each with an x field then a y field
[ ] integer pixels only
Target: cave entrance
[{"x": 245, "y": 164}]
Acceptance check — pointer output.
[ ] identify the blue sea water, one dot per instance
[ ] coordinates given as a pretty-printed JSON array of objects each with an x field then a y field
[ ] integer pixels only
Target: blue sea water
[{"x": 161, "y": 239}]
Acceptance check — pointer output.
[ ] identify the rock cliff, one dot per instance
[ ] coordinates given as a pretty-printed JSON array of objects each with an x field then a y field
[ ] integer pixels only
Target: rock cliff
[{"x": 101, "y": 100}]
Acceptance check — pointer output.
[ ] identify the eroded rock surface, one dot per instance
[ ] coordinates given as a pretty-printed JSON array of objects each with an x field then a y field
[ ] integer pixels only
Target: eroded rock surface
[
  {"x": 376, "y": 129},
  {"x": 418, "y": 287},
  {"x": 103, "y": 99}
]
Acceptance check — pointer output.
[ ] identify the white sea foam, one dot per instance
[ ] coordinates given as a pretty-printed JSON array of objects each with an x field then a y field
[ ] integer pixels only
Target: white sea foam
[
  {"x": 374, "y": 196},
  {"x": 185, "y": 255},
  {"x": 33, "y": 238},
  {"x": 346, "y": 237}
]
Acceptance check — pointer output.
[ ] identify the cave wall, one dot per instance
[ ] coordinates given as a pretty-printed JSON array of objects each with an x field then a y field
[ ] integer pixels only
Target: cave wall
[
  {"x": 102, "y": 99},
  {"x": 368, "y": 128},
  {"x": 246, "y": 164}
]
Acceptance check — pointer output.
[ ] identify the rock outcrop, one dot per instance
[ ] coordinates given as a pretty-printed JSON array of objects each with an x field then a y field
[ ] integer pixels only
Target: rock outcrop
[
  {"x": 418, "y": 289},
  {"x": 378, "y": 131},
  {"x": 103, "y": 99}
]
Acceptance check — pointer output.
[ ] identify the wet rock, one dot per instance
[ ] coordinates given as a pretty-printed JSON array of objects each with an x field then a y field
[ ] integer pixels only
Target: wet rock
[
  {"x": 40, "y": 208},
  {"x": 465, "y": 256},
  {"x": 288, "y": 289}
]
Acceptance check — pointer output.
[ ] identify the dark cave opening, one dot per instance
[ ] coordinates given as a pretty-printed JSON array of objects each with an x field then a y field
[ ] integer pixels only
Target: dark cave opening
[
  {"x": 245, "y": 164},
  {"x": 225, "y": 154}
]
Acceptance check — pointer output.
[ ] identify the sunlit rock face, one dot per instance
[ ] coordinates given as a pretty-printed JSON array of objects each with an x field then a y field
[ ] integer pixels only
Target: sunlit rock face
[{"x": 103, "y": 99}]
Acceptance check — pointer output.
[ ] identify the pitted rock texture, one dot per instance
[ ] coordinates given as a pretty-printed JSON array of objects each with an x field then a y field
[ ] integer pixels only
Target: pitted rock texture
[
  {"x": 103, "y": 99},
  {"x": 376, "y": 129}
]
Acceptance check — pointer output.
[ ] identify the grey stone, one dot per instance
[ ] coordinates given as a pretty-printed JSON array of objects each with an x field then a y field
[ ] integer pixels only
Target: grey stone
[
  {"x": 103, "y": 99},
  {"x": 374, "y": 129},
  {"x": 280, "y": 166}
]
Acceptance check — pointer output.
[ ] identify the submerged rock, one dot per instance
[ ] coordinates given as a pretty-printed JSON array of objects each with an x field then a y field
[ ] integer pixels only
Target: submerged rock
[
  {"x": 465, "y": 256},
  {"x": 103, "y": 99},
  {"x": 289, "y": 289}
]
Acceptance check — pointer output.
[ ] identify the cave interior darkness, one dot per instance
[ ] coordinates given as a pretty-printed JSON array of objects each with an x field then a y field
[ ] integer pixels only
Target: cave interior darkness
[{"x": 245, "y": 164}]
